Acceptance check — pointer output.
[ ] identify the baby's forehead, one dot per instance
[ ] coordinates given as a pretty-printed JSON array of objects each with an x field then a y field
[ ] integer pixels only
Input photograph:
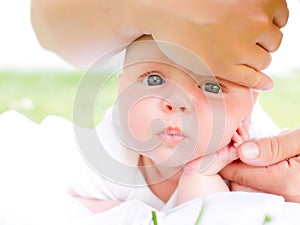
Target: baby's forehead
[
  {"x": 144, "y": 54},
  {"x": 142, "y": 50},
  {"x": 146, "y": 49}
]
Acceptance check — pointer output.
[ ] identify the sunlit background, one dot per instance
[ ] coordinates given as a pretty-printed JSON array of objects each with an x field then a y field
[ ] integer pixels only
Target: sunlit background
[{"x": 37, "y": 83}]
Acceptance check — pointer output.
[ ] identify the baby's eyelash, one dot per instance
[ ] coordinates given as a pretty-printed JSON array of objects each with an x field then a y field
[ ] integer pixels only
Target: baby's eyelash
[{"x": 152, "y": 78}]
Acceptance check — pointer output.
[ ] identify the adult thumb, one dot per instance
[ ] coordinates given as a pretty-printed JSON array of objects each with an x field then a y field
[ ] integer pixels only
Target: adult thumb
[{"x": 270, "y": 150}]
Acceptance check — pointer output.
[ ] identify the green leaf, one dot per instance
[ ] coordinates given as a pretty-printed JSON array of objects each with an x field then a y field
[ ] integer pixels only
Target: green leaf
[
  {"x": 200, "y": 214},
  {"x": 154, "y": 218},
  {"x": 267, "y": 219}
]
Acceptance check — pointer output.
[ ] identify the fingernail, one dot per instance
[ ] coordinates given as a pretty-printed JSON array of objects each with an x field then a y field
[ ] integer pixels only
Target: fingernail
[
  {"x": 269, "y": 86},
  {"x": 250, "y": 150}
]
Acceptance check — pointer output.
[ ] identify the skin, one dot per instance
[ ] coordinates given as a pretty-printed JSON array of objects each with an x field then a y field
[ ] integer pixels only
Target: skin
[
  {"x": 145, "y": 60},
  {"x": 236, "y": 44},
  {"x": 277, "y": 158}
]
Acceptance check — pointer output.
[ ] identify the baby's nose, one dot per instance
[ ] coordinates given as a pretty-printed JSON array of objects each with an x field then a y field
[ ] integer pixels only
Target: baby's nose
[{"x": 167, "y": 107}]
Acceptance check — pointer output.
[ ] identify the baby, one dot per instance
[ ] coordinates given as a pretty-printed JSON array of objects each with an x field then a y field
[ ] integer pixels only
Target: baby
[{"x": 176, "y": 128}]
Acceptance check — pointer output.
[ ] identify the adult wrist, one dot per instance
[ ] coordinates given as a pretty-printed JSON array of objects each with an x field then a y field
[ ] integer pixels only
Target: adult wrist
[{"x": 126, "y": 18}]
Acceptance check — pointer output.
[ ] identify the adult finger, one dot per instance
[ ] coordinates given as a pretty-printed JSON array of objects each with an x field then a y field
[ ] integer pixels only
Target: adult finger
[
  {"x": 271, "y": 40},
  {"x": 249, "y": 77},
  {"x": 267, "y": 151},
  {"x": 281, "y": 178},
  {"x": 263, "y": 59},
  {"x": 281, "y": 15},
  {"x": 246, "y": 175},
  {"x": 237, "y": 187}
]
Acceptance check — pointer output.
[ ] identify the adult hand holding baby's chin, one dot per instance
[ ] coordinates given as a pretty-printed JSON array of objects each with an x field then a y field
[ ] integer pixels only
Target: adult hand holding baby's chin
[{"x": 269, "y": 165}]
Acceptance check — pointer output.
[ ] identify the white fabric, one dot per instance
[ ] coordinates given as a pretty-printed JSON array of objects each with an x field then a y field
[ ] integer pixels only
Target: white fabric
[
  {"x": 261, "y": 124},
  {"x": 231, "y": 208},
  {"x": 36, "y": 168}
]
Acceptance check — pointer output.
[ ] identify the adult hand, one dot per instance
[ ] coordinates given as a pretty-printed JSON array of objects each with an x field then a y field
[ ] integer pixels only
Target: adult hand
[
  {"x": 235, "y": 44},
  {"x": 234, "y": 38},
  {"x": 269, "y": 165}
]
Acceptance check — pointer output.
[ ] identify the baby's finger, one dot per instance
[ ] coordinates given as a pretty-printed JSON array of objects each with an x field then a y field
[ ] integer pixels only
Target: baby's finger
[{"x": 222, "y": 159}]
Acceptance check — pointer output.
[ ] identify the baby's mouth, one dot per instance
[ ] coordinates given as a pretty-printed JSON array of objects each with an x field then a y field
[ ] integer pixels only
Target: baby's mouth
[{"x": 172, "y": 135}]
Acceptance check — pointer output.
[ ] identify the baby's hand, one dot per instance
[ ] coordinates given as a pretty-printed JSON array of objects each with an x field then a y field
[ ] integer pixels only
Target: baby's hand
[
  {"x": 194, "y": 184},
  {"x": 200, "y": 177},
  {"x": 214, "y": 163},
  {"x": 217, "y": 161}
]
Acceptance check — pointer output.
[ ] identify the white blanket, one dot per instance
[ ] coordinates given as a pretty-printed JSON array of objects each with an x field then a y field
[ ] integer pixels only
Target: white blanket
[{"x": 37, "y": 163}]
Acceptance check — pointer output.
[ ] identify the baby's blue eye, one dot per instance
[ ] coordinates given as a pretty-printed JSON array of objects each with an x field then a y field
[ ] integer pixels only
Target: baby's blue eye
[
  {"x": 211, "y": 88},
  {"x": 153, "y": 80}
]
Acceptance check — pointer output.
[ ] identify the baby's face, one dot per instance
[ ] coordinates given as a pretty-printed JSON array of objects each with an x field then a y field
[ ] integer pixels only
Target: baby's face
[{"x": 173, "y": 117}]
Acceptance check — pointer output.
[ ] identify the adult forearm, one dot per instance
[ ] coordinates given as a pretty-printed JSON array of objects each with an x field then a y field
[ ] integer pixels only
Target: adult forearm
[{"x": 80, "y": 31}]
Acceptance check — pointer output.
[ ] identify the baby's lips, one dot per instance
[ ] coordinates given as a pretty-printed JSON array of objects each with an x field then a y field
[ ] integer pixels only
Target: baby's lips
[{"x": 173, "y": 131}]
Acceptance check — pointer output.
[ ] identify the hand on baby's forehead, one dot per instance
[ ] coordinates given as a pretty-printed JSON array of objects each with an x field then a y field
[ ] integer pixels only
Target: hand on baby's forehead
[{"x": 146, "y": 49}]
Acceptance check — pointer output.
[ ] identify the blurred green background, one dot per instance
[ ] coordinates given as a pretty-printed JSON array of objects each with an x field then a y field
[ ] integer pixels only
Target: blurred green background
[{"x": 37, "y": 94}]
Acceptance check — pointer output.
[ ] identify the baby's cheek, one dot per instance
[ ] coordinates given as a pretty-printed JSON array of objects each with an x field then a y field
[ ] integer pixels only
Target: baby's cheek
[
  {"x": 137, "y": 121},
  {"x": 203, "y": 135},
  {"x": 140, "y": 118}
]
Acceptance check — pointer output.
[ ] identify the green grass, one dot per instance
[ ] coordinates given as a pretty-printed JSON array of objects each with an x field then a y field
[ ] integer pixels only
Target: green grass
[
  {"x": 50, "y": 93},
  {"x": 40, "y": 93},
  {"x": 283, "y": 102}
]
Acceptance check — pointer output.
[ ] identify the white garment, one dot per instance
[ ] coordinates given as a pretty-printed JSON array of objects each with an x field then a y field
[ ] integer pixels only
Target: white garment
[
  {"x": 261, "y": 124},
  {"x": 91, "y": 185}
]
